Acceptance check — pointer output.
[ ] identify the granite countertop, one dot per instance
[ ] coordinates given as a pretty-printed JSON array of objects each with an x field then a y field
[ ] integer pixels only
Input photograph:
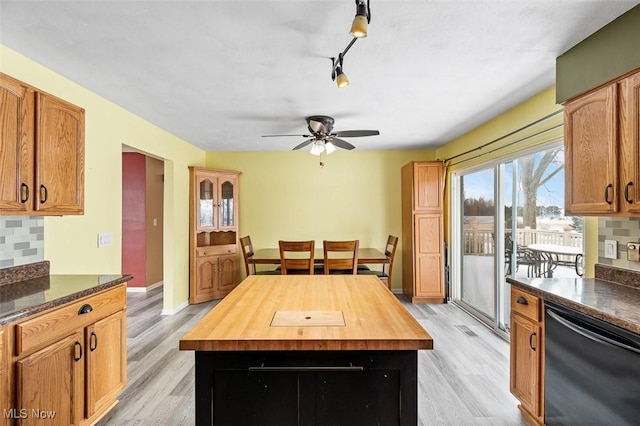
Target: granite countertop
[
  {"x": 27, "y": 293},
  {"x": 613, "y": 296}
]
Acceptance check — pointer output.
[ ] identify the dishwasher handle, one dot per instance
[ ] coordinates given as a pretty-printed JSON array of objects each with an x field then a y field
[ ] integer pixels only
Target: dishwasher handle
[{"x": 588, "y": 333}]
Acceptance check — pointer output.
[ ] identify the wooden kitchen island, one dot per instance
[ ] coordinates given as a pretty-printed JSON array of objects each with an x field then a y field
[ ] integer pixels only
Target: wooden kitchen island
[{"x": 307, "y": 350}]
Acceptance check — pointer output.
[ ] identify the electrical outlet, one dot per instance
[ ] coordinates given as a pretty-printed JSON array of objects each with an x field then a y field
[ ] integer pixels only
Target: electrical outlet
[
  {"x": 611, "y": 249},
  {"x": 105, "y": 240}
]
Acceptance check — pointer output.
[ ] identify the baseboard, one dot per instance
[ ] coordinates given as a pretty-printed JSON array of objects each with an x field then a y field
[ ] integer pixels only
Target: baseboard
[
  {"x": 173, "y": 311},
  {"x": 144, "y": 289}
]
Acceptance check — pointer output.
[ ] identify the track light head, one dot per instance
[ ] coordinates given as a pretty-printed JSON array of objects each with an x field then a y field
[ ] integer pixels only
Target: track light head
[
  {"x": 341, "y": 78},
  {"x": 360, "y": 23}
]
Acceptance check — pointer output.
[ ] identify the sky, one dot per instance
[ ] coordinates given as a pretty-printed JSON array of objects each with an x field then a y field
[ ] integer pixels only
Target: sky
[{"x": 480, "y": 184}]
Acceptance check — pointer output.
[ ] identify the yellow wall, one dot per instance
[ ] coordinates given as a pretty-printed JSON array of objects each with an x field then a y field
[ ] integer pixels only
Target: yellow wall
[
  {"x": 71, "y": 241},
  {"x": 287, "y": 195},
  {"x": 530, "y": 111}
]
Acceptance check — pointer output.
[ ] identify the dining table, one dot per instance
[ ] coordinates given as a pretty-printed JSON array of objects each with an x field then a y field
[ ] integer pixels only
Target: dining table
[
  {"x": 271, "y": 256},
  {"x": 550, "y": 253}
]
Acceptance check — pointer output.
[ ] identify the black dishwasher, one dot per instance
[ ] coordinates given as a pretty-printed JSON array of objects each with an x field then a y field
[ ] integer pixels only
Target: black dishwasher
[{"x": 592, "y": 370}]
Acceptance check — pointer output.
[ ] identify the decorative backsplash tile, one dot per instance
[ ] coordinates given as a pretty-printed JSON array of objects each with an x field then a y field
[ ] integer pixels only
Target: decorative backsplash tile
[
  {"x": 622, "y": 230},
  {"x": 21, "y": 240}
]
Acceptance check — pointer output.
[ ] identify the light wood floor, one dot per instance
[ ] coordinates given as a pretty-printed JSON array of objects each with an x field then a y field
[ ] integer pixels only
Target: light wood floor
[{"x": 463, "y": 381}]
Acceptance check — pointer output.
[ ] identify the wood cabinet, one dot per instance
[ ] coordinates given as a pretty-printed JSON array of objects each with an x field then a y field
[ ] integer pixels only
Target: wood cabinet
[
  {"x": 423, "y": 232},
  {"x": 213, "y": 223},
  {"x": 41, "y": 152},
  {"x": 70, "y": 361},
  {"x": 527, "y": 353},
  {"x": 602, "y": 154}
]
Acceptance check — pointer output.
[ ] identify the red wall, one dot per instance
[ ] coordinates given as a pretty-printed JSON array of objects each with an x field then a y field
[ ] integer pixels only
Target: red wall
[{"x": 134, "y": 250}]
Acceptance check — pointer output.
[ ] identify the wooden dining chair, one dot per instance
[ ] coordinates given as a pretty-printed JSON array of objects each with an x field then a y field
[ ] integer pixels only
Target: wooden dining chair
[
  {"x": 340, "y": 264},
  {"x": 385, "y": 273},
  {"x": 247, "y": 254},
  {"x": 296, "y": 257}
]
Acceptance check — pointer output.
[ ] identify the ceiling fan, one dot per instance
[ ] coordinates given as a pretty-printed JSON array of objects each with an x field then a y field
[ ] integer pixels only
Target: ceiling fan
[{"x": 324, "y": 138}]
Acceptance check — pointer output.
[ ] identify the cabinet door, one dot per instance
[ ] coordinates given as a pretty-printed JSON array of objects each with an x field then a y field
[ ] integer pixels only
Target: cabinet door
[
  {"x": 205, "y": 285},
  {"x": 590, "y": 136},
  {"x": 226, "y": 205},
  {"x": 16, "y": 145},
  {"x": 428, "y": 252},
  {"x": 59, "y": 156},
  {"x": 427, "y": 186},
  {"x": 630, "y": 143},
  {"x": 228, "y": 273},
  {"x": 106, "y": 362},
  {"x": 525, "y": 362},
  {"x": 205, "y": 195},
  {"x": 50, "y": 382}
]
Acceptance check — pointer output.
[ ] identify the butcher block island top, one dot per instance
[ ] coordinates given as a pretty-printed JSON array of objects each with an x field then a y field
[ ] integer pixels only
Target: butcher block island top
[{"x": 308, "y": 312}]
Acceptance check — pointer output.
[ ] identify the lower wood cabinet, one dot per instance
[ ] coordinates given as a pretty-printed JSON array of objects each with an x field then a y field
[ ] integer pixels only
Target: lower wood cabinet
[
  {"x": 69, "y": 362},
  {"x": 215, "y": 277},
  {"x": 527, "y": 352}
]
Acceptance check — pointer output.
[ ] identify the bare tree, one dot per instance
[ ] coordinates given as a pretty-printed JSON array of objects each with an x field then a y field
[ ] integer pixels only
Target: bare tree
[{"x": 533, "y": 177}]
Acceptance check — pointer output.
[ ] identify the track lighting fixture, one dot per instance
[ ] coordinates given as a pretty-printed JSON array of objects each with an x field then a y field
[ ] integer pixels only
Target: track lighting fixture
[
  {"x": 358, "y": 30},
  {"x": 361, "y": 20}
]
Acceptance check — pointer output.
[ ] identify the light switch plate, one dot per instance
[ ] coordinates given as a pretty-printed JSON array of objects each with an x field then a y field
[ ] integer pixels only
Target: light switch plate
[
  {"x": 105, "y": 240},
  {"x": 611, "y": 249}
]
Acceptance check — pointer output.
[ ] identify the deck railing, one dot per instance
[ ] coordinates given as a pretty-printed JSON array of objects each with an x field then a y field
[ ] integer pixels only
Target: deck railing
[{"x": 481, "y": 242}]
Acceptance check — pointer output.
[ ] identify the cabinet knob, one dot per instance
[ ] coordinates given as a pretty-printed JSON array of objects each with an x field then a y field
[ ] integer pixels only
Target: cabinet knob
[
  {"x": 522, "y": 300},
  {"x": 85, "y": 309},
  {"x": 78, "y": 351}
]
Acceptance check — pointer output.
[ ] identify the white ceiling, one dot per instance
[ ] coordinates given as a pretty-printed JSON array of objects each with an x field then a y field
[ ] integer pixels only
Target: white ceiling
[{"x": 220, "y": 74}]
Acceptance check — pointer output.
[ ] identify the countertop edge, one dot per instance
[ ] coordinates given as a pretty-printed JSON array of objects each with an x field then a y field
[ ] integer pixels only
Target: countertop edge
[
  {"x": 585, "y": 309},
  {"x": 32, "y": 310}
]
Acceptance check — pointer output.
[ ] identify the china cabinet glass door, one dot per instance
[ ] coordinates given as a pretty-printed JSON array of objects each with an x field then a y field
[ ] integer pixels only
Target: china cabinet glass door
[
  {"x": 206, "y": 204},
  {"x": 226, "y": 204}
]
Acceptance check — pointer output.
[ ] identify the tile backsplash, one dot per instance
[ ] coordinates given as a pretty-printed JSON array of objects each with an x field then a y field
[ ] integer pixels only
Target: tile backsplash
[
  {"x": 623, "y": 230},
  {"x": 21, "y": 240}
]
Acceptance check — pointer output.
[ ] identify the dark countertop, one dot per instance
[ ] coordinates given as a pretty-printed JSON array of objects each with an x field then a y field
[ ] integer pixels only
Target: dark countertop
[
  {"x": 609, "y": 301},
  {"x": 27, "y": 297}
]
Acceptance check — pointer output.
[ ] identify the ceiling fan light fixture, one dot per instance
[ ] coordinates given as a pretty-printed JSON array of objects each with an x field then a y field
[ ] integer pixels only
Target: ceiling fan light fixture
[
  {"x": 317, "y": 148},
  {"x": 329, "y": 147}
]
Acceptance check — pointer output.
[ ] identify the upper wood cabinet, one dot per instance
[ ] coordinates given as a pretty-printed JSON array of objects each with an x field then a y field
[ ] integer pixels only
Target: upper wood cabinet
[
  {"x": 213, "y": 259},
  {"x": 602, "y": 150},
  {"x": 629, "y": 95},
  {"x": 41, "y": 152}
]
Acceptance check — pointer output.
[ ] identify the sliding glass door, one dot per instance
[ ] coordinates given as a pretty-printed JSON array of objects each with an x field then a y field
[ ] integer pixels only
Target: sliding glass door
[
  {"x": 477, "y": 221},
  {"x": 501, "y": 213}
]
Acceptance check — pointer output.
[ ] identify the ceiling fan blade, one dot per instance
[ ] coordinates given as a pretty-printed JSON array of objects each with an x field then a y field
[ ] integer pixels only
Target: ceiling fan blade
[
  {"x": 277, "y": 136},
  {"x": 303, "y": 144},
  {"x": 356, "y": 133},
  {"x": 340, "y": 143}
]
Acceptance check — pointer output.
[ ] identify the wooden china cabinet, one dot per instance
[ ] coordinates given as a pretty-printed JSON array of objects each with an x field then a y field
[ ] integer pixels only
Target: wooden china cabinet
[
  {"x": 213, "y": 233},
  {"x": 41, "y": 152}
]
